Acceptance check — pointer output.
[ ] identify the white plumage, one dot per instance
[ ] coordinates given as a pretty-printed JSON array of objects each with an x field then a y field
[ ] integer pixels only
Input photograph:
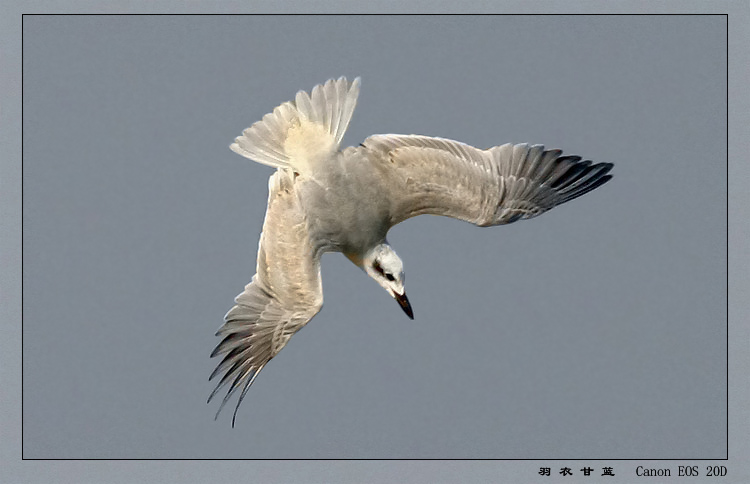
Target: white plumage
[{"x": 322, "y": 199}]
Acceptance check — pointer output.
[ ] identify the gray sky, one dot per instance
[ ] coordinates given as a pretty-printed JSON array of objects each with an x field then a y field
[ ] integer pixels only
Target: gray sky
[{"x": 597, "y": 330}]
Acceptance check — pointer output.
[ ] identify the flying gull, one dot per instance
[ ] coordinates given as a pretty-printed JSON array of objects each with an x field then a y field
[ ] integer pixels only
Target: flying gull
[{"x": 321, "y": 199}]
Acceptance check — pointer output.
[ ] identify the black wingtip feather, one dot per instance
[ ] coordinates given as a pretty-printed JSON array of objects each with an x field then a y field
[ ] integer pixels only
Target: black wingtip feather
[
  {"x": 248, "y": 384},
  {"x": 227, "y": 376},
  {"x": 217, "y": 349},
  {"x": 233, "y": 353},
  {"x": 569, "y": 176},
  {"x": 587, "y": 188}
]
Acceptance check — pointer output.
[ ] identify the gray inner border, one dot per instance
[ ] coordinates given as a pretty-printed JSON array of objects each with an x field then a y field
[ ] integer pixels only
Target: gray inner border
[{"x": 14, "y": 469}]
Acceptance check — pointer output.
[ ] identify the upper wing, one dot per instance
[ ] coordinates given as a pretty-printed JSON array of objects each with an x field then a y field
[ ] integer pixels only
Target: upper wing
[
  {"x": 485, "y": 187},
  {"x": 283, "y": 296}
]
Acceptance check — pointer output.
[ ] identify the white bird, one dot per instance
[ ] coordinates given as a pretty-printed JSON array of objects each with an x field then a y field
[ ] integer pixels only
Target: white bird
[{"x": 322, "y": 199}]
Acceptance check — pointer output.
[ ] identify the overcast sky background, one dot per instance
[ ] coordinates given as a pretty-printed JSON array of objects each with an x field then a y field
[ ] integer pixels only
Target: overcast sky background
[{"x": 597, "y": 330}]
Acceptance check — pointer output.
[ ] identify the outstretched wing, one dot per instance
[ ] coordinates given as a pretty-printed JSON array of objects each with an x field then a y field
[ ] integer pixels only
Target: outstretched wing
[
  {"x": 485, "y": 187},
  {"x": 282, "y": 297}
]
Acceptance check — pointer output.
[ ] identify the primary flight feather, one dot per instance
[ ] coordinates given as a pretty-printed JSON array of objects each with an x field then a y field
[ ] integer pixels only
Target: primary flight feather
[{"x": 321, "y": 199}]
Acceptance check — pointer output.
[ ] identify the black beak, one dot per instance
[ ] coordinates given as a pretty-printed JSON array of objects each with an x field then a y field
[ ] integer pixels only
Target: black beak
[{"x": 404, "y": 303}]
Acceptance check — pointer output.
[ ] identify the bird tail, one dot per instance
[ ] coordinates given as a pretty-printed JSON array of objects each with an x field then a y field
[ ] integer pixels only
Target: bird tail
[{"x": 300, "y": 132}]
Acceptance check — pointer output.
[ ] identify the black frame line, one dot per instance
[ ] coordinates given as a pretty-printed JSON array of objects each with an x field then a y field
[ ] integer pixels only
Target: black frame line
[{"x": 726, "y": 15}]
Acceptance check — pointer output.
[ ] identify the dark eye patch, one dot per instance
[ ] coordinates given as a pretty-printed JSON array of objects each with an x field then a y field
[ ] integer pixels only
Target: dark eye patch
[{"x": 377, "y": 267}]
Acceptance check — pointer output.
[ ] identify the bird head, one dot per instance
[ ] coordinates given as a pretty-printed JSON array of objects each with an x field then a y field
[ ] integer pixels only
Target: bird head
[{"x": 385, "y": 266}]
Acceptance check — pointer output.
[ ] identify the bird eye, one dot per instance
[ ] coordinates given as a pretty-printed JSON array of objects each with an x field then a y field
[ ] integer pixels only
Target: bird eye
[
  {"x": 376, "y": 266},
  {"x": 390, "y": 277}
]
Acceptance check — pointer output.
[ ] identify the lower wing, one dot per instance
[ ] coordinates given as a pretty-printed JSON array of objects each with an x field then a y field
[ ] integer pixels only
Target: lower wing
[{"x": 283, "y": 296}]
